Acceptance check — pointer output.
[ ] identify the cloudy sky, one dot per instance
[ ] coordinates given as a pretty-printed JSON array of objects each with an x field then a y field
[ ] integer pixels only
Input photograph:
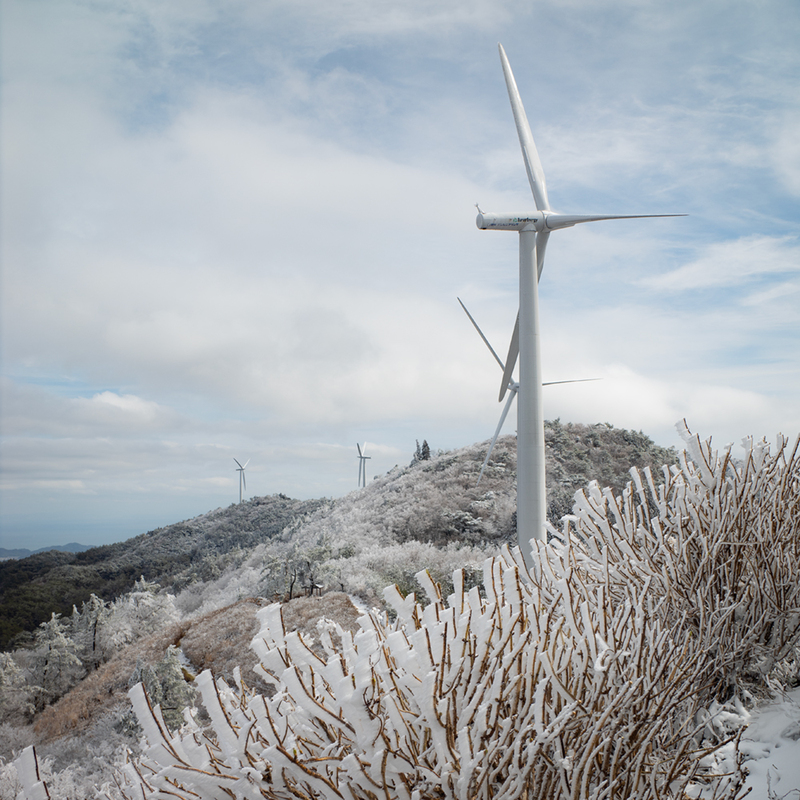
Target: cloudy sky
[{"x": 238, "y": 230}]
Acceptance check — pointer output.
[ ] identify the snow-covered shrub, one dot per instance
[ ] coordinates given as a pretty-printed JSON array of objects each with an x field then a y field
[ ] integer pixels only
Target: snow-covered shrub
[
  {"x": 71, "y": 768},
  {"x": 718, "y": 545},
  {"x": 245, "y": 579},
  {"x": 543, "y": 687},
  {"x": 591, "y": 676},
  {"x": 16, "y": 690},
  {"x": 374, "y": 567}
]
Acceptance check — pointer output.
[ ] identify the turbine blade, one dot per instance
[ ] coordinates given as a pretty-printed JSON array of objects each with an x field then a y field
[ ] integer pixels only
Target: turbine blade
[
  {"x": 359, "y": 449},
  {"x": 541, "y": 246},
  {"x": 574, "y": 380},
  {"x": 244, "y": 480},
  {"x": 480, "y": 333},
  {"x": 533, "y": 165},
  {"x": 497, "y": 432},
  {"x": 239, "y": 465},
  {"x": 246, "y": 463},
  {"x": 557, "y": 221},
  {"x": 511, "y": 360},
  {"x": 513, "y": 348}
]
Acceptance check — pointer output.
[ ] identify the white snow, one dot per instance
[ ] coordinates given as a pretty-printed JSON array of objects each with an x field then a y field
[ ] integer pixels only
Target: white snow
[{"x": 771, "y": 747}]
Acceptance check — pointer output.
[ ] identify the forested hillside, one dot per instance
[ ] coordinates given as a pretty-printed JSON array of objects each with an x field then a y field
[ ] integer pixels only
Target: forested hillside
[
  {"x": 433, "y": 501},
  {"x": 32, "y": 588}
]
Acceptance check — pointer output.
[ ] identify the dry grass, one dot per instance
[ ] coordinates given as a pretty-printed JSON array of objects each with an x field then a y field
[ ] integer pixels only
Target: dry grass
[{"x": 220, "y": 641}]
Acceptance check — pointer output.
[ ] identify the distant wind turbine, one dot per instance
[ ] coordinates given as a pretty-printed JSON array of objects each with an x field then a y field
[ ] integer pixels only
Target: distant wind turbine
[
  {"x": 362, "y": 465},
  {"x": 513, "y": 388},
  {"x": 534, "y": 230},
  {"x": 242, "y": 482}
]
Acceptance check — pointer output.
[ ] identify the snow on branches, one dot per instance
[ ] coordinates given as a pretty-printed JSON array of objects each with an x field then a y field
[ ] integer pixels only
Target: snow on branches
[{"x": 596, "y": 675}]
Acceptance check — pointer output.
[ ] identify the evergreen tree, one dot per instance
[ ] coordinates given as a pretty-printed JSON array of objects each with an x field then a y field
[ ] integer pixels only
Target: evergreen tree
[
  {"x": 56, "y": 667},
  {"x": 422, "y": 453},
  {"x": 16, "y": 691},
  {"x": 167, "y": 686},
  {"x": 90, "y": 632}
]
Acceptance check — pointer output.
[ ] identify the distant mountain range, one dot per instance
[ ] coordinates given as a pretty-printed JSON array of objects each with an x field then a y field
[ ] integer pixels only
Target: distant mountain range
[{"x": 23, "y": 552}]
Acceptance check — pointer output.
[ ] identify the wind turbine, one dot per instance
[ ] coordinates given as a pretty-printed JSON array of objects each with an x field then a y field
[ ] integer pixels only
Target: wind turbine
[
  {"x": 242, "y": 482},
  {"x": 534, "y": 230},
  {"x": 513, "y": 388},
  {"x": 362, "y": 465}
]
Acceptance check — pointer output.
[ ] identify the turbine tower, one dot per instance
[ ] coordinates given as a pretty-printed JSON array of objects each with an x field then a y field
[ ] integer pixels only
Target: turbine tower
[
  {"x": 362, "y": 465},
  {"x": 534, "y": 230},
  {"x": 242, "y": 482}
]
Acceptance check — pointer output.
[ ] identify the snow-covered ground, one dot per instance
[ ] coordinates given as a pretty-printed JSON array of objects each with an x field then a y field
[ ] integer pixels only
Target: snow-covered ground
[{"x": 771, "y": 746}]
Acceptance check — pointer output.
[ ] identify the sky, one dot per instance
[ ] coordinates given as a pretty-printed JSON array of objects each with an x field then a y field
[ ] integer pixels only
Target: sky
[{"x": 238, "y": 230}]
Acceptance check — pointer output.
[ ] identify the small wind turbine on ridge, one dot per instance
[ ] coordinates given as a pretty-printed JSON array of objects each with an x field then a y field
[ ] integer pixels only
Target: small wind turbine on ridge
[
  {"x": 534, "y": 231},
  {"x": 242, "y": 482},
  {"x": 362, "y": 465}
]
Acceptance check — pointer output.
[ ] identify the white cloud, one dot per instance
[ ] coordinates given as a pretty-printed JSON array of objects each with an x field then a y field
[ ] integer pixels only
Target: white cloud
[
  {"x": 128, "y": 407},
  {"x": 734, "y": 262},
  {"x": 786, "y": 152}
]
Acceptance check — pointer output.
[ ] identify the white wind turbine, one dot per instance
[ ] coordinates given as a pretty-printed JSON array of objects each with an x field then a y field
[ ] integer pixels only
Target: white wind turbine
[
  {"x": 534, "y": 230},
  {"x": 362, "y": 465},
  {"x": 242, "y": 482}
]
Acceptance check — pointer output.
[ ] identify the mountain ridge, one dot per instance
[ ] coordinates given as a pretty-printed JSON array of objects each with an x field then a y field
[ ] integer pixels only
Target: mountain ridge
[
  {"x": 433, "y": 502},
  {"x": 24, "y": 552}
]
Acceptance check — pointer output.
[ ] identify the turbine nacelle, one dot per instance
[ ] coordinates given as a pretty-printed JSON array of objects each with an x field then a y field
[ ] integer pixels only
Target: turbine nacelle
[
  {"x": 510, "y": 222},
  {"x": 544, "y": 221}
]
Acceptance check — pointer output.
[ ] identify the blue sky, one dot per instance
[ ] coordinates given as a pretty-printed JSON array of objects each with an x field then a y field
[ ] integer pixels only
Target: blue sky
[{"x": 239, "y": 230}]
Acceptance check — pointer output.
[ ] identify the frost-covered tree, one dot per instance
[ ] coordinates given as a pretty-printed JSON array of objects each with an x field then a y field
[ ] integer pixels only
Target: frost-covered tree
[
  {"x": 143, "y": 610},
  {"x": 55, "y": 665},
  {"x": 16, "y": 690},
  {"x": 167, "y": 686},
  {"x": 422, "y": 452},
  {"x": 90, "y": 631}
]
